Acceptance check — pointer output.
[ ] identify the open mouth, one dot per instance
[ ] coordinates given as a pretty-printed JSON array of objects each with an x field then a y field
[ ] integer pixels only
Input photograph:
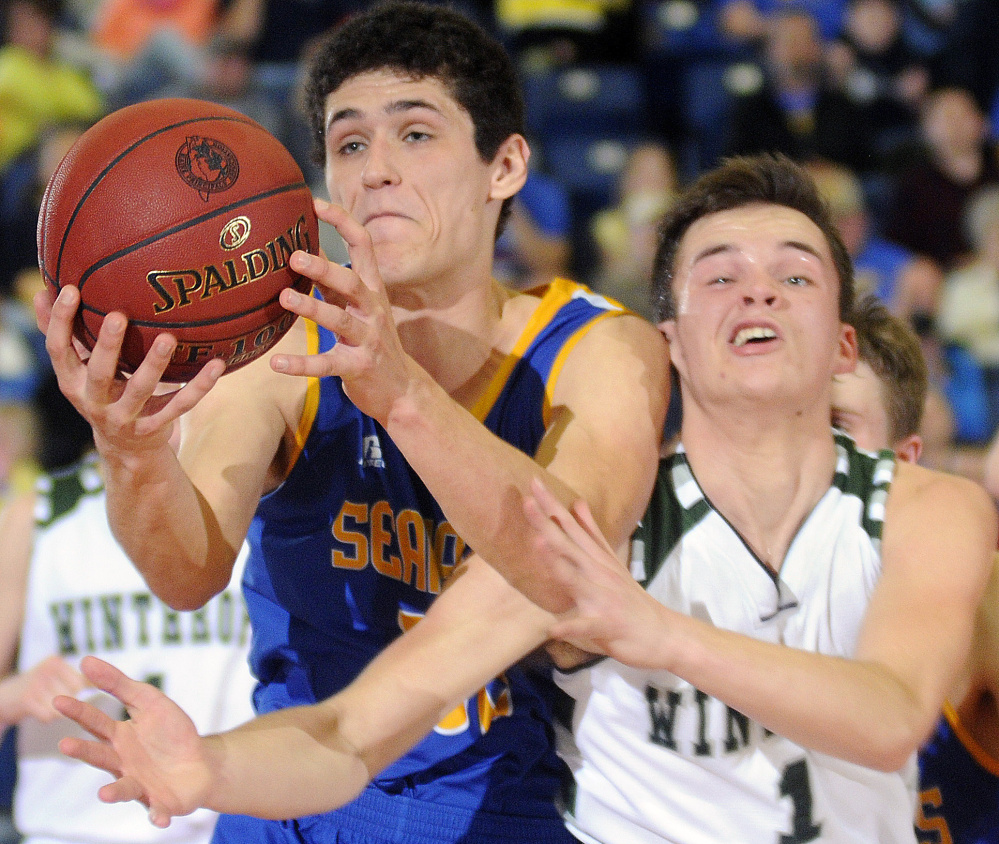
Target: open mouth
[{"x": 756, "y": 334}]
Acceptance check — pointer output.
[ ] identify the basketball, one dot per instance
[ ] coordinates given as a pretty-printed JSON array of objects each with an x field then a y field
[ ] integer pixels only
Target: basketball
[{"x": 182, "y": 215}]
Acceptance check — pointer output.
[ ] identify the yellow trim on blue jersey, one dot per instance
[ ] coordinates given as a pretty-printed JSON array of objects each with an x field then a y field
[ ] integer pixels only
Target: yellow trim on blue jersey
[
  {"x": 558, "y": 293},
  {"x": 973, "y": 747},
  {"x": 311, "y": 396},
  {"x": 563, "y": 354}
]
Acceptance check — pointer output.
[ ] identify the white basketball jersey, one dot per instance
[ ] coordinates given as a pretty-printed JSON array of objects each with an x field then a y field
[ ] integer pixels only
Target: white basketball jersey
[
  {"x": 656, "y": 760},
  {"x": 85, "y": 597}
]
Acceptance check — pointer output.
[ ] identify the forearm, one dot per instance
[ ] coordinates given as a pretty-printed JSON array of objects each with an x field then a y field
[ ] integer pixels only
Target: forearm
[
  {"x": 308, "y": 767},
  {"x": 852, "y": 709},
  {"x": 478, "y": 479},
  {"x": 11, "y": 711},
  {"x": 165, "y": 527}
]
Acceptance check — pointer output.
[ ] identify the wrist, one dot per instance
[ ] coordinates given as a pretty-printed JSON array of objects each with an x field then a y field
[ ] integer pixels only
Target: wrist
[{"x": 409, "y": 411}]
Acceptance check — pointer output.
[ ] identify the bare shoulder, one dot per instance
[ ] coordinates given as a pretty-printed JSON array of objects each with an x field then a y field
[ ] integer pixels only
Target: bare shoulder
[
  {"x": 622, "y": 348},
  {"x": 919, "y": 488},
  {"x": 931, "y": 512}
]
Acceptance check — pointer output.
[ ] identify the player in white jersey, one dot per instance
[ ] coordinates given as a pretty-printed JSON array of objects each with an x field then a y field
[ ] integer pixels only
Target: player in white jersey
[
  {"x": 67, "y": 590},
  {"x": 801, "y": 608},
  {"x": 804, "y": 651}
]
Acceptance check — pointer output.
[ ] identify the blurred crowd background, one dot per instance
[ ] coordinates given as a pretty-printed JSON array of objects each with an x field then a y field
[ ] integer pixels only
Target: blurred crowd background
[{"x": 894, "y": 104}]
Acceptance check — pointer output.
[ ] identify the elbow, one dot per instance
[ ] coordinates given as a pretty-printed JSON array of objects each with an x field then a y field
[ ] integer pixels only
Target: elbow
[
  {"x": 891, "y": 760},
  {"x": 892, "y": 750},
  {"x": 187, "y": 595},
  {"x": 186, "y": 602}
]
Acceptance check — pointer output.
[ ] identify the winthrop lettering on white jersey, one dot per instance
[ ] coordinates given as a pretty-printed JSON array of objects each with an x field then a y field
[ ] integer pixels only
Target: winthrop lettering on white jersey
[
  {"x": 403, "y": 546},
  {"x": 114, "y": 622},
  {"x": 702, "y": 717}
]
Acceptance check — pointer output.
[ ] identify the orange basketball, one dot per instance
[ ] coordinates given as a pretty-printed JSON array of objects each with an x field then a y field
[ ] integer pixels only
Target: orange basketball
[{"x": 181, "y": 214}]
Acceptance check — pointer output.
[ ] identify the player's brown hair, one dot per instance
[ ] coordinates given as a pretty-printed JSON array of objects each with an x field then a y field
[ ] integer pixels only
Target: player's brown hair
[{"x": 891, "y": 349}]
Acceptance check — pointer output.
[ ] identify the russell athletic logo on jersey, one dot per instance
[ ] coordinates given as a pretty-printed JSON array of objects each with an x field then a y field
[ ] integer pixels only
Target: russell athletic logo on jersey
[{"x": 371, "y": 457}]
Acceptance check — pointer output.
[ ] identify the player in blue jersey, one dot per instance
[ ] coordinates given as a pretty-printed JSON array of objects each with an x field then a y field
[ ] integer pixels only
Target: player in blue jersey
[
  {"x": 393, "y": 431},
  {"x": 880, "y": 405}
]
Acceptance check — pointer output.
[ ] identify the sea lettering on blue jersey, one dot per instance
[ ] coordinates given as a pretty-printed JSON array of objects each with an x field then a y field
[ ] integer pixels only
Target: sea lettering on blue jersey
[{"x": 397, "y": 546}]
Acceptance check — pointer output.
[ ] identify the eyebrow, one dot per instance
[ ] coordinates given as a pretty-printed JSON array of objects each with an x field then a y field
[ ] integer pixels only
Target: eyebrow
[
  {"x": 721, "y": 248},
  {"x": 395, "y": 107}
]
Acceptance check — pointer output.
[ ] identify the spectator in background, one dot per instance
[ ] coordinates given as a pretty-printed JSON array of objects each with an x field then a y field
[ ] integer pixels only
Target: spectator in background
[
  {"x": 969, "y": 56},
  {"x": 125, "y": 28},
  {"x": 790, "y": 105},
  {"x": 875, "y": 67},
  {"x": 145, "y": 46},
  {"x": 969, "y": 306},
  {"x": 23, "y": 359},
  {"x": 280, "y": 36},
  {"x": 746, "y": 21},
  {"x": 930, "y": 194},
  {"x": 956, "y": 430},
  {"x": 908, "y": 283},
  {"x": 21, "y": 190},
  {"x": 536, "y": 245},
  {"x": 36, "y": 87},
  {"x": 626, "y": 235},
  {"x": 557, "y": 33},
  {"x": 910, "y": 286},
  {"x": 228, "y": 79}
]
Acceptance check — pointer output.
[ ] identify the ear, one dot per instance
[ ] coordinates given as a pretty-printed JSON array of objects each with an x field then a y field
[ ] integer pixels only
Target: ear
[
  {"x": 668, "y": 328},
  {"x": 848, "y": 352},
  {"x": 509, "y": 168},
  {"x": 909, "y": 449}
]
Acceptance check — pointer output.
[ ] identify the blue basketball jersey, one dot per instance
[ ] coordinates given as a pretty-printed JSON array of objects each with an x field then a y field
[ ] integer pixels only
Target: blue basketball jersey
[
  {"x": 352, "y": 548},
  {"x": 959, "y": 788}
]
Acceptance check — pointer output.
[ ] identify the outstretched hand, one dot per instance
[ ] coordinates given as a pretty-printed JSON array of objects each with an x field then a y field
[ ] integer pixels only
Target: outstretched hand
[
  {"x": 126, "y": 414},
  {"x": 612, "y": 614},
  {"x": 368, "y": 355},
  {"x": 156, "y": 757}
]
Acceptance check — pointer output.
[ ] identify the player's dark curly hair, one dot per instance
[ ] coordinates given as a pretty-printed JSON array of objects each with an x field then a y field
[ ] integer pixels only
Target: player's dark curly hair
[
  {"x": 737, "y": 182},
  {"x": 421, "y": 40}
]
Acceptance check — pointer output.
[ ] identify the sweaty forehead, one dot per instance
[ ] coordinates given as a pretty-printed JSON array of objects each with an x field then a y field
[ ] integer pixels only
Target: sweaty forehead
[{"x": 753, "y": 229}]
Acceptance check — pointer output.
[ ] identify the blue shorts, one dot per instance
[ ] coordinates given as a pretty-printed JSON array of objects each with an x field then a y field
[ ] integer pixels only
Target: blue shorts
[{"x": 379, "y": 818}]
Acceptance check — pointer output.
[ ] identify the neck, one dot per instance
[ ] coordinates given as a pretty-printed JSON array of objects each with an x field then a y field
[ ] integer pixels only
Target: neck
[{"x": 764, "y": 472}]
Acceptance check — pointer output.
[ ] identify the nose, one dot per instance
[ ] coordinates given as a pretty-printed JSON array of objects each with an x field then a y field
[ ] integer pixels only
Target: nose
[
  {"x": 379, "y": 169},
  {"x": 761, "y": 289}
]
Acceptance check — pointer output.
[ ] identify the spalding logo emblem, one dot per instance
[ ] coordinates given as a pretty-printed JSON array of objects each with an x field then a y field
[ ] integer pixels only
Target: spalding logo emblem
[
  {"x": 207, "y": 165},
  {"x": 235, "y": 233}
]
